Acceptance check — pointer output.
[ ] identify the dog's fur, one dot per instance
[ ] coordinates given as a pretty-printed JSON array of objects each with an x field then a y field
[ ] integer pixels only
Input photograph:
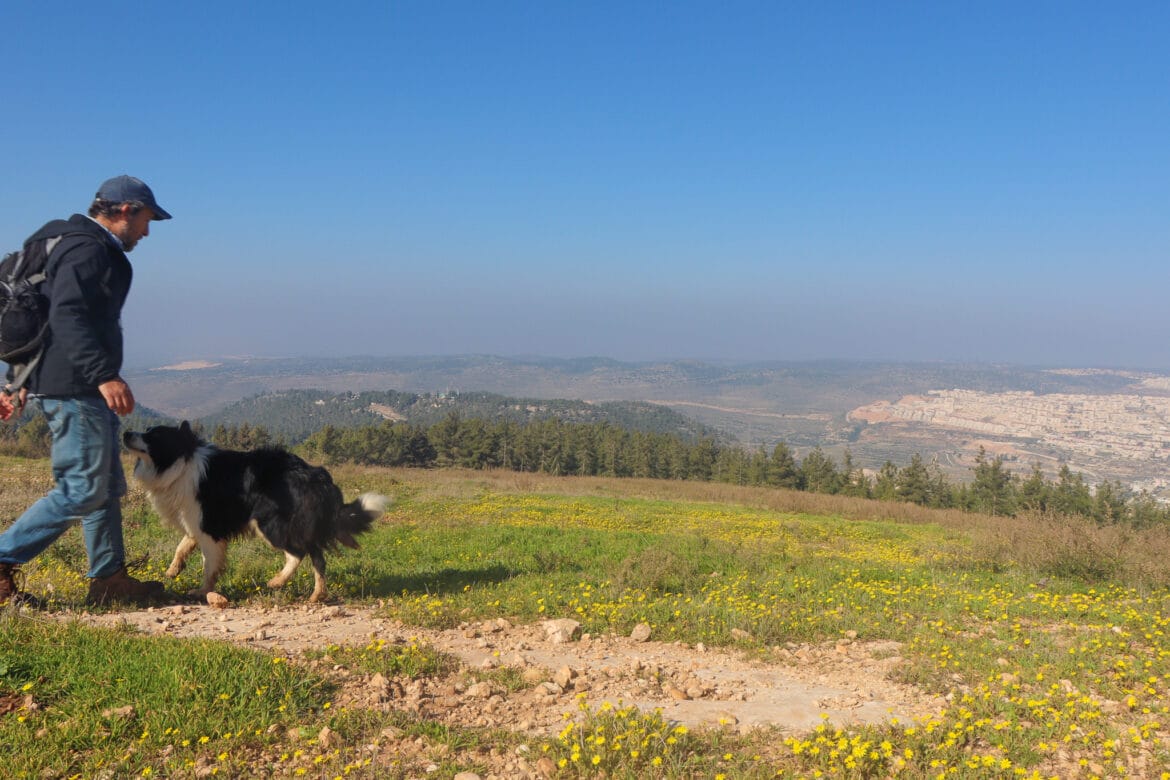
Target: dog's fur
[{"x": 214, "y": 495}]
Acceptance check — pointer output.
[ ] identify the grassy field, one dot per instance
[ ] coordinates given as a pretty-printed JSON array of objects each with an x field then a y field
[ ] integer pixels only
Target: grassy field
[{"x": 1046, "y": 636}]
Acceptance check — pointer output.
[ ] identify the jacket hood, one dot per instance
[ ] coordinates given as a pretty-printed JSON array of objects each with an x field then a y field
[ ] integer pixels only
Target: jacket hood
[{"x": 78, "y": 223}]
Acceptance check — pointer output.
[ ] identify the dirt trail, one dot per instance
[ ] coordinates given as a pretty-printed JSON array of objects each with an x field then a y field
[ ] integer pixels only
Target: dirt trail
[{"x": 848, "y": 681}]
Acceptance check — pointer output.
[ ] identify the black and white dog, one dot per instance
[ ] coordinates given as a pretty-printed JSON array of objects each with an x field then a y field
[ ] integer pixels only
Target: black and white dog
[{"x": 214, "y": 495}]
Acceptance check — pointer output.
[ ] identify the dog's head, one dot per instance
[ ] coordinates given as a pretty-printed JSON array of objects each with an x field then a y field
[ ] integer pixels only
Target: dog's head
[{"x": 161, "y": 447}]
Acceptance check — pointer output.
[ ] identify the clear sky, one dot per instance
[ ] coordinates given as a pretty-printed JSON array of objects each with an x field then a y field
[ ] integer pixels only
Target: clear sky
[{"x": 638, "y": 180}]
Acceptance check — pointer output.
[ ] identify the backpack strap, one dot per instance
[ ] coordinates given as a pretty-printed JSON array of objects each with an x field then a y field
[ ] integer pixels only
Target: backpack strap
[
  {"x": 50, "y": 245},
  {"x": 22, "y": 374}
]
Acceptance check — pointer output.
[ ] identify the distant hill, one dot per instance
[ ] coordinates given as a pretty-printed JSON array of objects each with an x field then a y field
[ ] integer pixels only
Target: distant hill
[
  {"x": 295, "y": 414},
  {"x": 804, "y": 404}
]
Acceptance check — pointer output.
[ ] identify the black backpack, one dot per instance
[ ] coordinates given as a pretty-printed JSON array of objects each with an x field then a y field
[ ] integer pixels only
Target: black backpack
[{"x": 24, "y": 307}]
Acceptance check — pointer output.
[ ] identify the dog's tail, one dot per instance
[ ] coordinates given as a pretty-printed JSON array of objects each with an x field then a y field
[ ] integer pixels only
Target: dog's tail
[{"x": 358, "y": 515}]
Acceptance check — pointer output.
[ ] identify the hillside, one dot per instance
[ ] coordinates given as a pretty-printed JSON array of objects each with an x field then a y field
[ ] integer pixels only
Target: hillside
[{"x": 296, "y": 414}]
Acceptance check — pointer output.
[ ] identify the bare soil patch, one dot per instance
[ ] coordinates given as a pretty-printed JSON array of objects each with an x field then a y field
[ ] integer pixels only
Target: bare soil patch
[{"x": 849, "y": 681}]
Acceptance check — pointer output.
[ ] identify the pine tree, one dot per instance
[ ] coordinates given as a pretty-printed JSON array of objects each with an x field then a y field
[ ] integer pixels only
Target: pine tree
[
  {"x": 913, "y": 482},
  {"x": 782, "y": 469},
  {"x": 991, "y": 492},
  {"x": 1109, "y": 503},
  {"x": 854, "y": 480},
  {"x": 1034, "y": 492},
  {"x": 819, "y": 473},
  {"x": 1070, "y": 495},
  {"x": 885, "y": 486}
]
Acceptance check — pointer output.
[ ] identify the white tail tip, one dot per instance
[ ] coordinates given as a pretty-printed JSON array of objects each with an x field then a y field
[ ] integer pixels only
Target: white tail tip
[{"x": 374, "y": 503}]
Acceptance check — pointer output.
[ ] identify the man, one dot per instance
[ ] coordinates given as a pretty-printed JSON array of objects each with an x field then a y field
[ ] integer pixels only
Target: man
[{"x": 78, "y": 386}]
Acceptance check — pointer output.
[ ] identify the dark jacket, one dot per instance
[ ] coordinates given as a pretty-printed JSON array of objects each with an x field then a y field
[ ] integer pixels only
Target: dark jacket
[{"x": 88, "y": 280}]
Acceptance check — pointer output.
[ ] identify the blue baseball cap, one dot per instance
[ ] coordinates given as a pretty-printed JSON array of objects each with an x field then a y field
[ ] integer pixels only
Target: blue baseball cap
[{"x": 125, "y": 189}]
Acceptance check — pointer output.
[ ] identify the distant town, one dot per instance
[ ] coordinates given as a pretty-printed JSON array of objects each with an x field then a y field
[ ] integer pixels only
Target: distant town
[{"x": 1116, "y": 436}]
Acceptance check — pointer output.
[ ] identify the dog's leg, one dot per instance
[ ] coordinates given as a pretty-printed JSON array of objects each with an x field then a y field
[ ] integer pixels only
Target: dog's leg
[
  {"x": 291, "y": 562},
  {"x": 214, "y": 555},
  {"x": 185, "y": 548},
  {"x": 318, "y": 576}
]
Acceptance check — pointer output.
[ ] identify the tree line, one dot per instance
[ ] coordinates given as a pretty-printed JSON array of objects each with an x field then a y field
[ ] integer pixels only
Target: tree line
[
  {"x": 560, "y": 448},
  {"x": 556, "y": 447}
]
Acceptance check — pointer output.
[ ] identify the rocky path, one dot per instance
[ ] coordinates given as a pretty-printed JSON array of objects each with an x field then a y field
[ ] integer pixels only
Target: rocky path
[{"x": 695, "y": 685}]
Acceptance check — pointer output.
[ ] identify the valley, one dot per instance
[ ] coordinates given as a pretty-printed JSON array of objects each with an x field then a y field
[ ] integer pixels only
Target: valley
[{"x": 1107, "y": 424}]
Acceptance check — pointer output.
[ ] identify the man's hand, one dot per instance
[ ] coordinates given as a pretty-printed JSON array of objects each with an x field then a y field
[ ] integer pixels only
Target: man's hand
[
  {"x": 10, "y": 404},
  {"x": 118, "y": 396}
]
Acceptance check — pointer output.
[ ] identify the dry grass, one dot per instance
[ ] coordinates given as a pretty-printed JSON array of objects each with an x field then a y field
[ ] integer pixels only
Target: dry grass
[
  {"x": 23, "y": 483},
  {"x": 1063, "y": 546}
]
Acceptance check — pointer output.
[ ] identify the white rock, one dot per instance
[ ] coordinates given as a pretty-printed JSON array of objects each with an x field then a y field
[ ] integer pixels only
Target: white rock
[
  {"x": 562, "y": 630},
  {"x": 641, "y": 632}
]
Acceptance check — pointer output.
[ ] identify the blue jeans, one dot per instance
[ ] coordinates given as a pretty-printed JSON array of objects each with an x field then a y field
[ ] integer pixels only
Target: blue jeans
[{"x": 90, "y": 485}]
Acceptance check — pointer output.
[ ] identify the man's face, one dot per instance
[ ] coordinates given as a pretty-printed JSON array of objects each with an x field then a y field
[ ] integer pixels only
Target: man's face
[{"x": 134, "y": 227}]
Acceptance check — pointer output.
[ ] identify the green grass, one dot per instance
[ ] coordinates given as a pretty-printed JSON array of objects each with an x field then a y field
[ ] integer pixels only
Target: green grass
[
  {"x": 109, "y": 701},
  {"x": 1051, "y": 665}
]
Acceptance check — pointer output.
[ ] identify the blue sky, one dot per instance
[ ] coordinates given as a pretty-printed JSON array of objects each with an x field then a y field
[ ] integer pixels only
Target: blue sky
[{"x": 733, "y": 180}]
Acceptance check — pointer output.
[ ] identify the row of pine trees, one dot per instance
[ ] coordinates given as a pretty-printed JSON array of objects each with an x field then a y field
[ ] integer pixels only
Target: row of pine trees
[{"x": 559, "y": 448}]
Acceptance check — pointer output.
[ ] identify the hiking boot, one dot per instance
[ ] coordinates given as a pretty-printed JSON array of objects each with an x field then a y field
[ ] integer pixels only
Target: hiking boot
[
  {"x": 10, "y": 593},
  {"x": 120, "y": 586}
]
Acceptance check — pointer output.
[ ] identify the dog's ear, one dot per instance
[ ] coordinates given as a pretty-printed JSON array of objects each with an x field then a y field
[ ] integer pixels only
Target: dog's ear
[{"x": 185, "y": 427}]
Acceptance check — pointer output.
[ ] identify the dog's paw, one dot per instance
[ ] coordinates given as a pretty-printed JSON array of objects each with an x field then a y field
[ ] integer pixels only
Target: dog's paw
[
  {"x": 174, "y": 571},
  {"x": 276, "y": 582}
]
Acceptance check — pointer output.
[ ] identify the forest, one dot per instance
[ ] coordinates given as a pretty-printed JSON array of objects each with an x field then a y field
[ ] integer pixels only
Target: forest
[{"x": 293, "y": 415}]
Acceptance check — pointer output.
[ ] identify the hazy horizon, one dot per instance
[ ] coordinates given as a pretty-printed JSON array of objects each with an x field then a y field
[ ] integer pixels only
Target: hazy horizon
[
  {"x": 744, "y": 181},
  {"x": 197, "y": 362}
]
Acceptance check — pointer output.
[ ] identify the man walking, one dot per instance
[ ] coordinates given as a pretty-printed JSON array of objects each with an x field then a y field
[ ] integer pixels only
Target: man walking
[{"x": 78, "y": 385}]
